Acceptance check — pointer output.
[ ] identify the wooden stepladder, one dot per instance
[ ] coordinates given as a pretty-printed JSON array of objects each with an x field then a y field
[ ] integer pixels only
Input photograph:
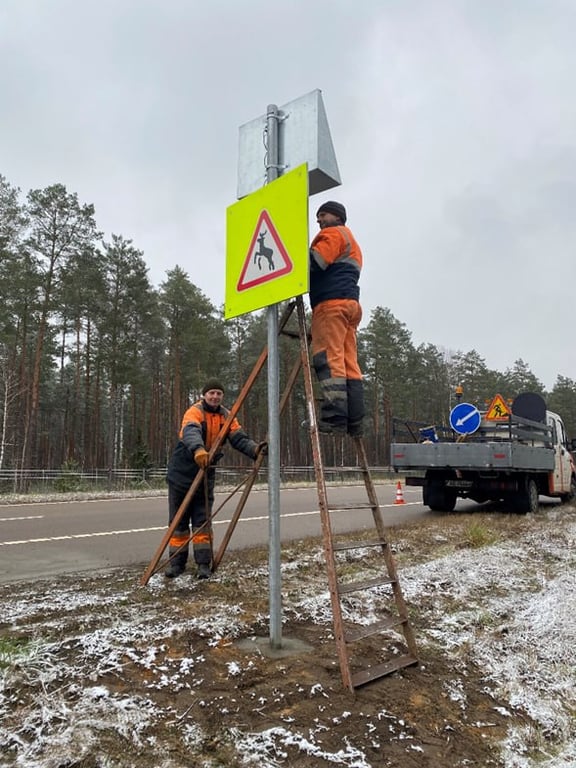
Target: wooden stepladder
[
  {"x": 360, "y": 655},
  {"x": 356, "y": 655}
]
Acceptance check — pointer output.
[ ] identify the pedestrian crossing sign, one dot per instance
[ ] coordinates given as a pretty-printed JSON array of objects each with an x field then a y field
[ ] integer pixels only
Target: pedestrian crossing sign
[{"x": 498, "y": 410}]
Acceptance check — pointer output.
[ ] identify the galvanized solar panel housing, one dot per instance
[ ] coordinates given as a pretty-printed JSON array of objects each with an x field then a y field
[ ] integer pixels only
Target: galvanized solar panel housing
[{"x": 303, "y": 137}]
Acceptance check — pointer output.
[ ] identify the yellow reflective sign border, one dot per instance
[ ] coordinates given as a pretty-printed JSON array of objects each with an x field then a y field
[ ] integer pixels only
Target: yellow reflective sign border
[{"x": 267, "y": 245}]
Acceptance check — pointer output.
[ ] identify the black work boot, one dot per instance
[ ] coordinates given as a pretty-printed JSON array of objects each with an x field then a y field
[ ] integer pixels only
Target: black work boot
[
  {"x": 328, "y": 428},
  {"x": 204, "y": 571},
  {"x": 355, "y": 429},
  {"x": 174, "y": 570}
]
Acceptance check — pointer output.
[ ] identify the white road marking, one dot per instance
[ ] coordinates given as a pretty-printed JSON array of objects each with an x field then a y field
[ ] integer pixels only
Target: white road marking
[
  {"x": 114, "y": 499},
  {"x": 29, "y": 517},
  {"x": 79, "y": 536},
  {"x": 71, "y": 536}
]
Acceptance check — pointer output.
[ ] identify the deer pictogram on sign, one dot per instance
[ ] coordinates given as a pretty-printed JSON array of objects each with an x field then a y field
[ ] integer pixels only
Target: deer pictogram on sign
[
  {"x": 263, "y": 250},
  {"x": 267, "y": 258}
]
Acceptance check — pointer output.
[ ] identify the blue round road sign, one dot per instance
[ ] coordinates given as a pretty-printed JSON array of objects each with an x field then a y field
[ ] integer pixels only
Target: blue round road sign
[{"x": 465, "y": 418}]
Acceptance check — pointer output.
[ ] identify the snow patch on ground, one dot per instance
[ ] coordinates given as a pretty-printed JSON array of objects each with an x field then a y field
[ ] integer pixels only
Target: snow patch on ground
[{"x": 510, "y": 605}]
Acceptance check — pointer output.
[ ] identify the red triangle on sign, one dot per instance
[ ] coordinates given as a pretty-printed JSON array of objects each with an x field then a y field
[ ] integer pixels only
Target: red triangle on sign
[{"x": 264, "y": 262}]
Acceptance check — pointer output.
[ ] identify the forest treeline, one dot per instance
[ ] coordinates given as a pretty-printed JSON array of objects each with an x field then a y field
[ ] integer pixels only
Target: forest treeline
[{"x": 97, "y": 365}]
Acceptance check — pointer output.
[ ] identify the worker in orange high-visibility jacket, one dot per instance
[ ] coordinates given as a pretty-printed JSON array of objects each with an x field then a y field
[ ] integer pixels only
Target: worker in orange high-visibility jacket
[
  {"x": 201, "y": 424},
  {"x": 335, "y": 265}
]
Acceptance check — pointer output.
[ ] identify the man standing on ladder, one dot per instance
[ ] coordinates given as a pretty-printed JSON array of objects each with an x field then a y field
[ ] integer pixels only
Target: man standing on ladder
[
  {"x": 335, "y": 264},
  {"x": 201, "y": 424}
]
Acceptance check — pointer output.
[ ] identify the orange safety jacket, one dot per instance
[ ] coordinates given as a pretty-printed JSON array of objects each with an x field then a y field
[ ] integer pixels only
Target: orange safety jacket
[
  {"x": 335, "y": 264},
  {"x": 200, "y": 427}
]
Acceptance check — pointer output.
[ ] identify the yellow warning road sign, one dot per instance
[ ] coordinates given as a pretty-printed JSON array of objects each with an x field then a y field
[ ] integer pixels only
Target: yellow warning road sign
[
  {"x": 267, "y": 245},
  {"x": 498, "y": 410}
]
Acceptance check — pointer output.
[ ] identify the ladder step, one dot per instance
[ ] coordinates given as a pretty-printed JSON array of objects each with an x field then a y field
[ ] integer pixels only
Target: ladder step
[
  {"x": 359, "y": 545},
  {"x": 288, "y": 332},
  {"x": 373, "y": 673},
  {"x": 353, "y": 634},
  {"x": 345, "y": 507},
  {"x": 356, "y": 586}
]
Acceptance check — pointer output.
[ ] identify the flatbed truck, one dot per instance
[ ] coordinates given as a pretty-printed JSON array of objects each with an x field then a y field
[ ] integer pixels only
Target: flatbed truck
[{"x": 512, "y": 460}]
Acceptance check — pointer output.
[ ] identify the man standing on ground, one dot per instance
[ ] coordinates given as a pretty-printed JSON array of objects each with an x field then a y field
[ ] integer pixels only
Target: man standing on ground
[
  {"x": 201, "y": 424},
  {"x": 335, "y": 264}
]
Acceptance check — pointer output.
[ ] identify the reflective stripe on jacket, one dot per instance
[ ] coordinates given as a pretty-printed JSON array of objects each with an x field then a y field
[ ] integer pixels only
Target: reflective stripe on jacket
[
  {"x": 199, "y": 429},
  {"x": 200, "y": 426}
]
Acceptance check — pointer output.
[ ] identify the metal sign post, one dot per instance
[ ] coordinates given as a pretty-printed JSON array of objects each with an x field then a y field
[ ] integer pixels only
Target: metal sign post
[
  {"x": 275, "y": 582},
  {"x": 267, "y": 257}
]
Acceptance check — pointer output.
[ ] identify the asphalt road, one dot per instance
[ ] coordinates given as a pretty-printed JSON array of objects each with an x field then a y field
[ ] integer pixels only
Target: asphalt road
[{"x": 43, "y": 540}]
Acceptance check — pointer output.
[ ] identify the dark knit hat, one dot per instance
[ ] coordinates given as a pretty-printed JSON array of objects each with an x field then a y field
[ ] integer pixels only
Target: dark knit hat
[
  {"x": 333, "y": 207},
  {"x": 212, "y": 384}
]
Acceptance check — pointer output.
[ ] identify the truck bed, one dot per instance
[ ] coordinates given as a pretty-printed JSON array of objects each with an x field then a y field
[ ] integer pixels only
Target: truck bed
[{"x": 476, "y": 456}]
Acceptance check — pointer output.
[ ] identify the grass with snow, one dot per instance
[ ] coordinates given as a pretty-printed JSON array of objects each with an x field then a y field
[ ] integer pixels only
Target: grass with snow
[{"x": 97, "y": 672}]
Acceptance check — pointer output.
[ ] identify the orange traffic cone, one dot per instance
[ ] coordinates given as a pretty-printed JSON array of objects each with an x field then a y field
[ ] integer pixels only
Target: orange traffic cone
[{"x": 399, "y": 495}]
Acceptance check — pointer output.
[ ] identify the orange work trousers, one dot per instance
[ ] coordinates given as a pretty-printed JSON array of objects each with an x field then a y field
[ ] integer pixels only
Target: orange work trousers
[{"x": 335, "y": 358}]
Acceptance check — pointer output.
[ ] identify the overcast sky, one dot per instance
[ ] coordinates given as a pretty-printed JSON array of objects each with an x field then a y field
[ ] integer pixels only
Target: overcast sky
[{"x": 453, "y": 122}]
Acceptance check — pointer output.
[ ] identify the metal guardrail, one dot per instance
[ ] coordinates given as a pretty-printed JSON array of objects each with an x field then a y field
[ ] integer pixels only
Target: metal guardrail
[
  {"x": 122, "y": 479},
  {"x": 96, "y": 475}
]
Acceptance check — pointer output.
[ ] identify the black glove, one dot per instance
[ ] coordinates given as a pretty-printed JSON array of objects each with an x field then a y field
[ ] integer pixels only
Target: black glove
[{"x": 261, "y": 449}]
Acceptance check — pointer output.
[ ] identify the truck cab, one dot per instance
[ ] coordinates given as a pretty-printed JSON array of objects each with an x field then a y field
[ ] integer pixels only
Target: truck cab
[{"x": 562, "y": 479}]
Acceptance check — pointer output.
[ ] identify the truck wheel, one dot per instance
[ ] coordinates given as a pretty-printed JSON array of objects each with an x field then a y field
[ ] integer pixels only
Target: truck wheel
[
  {"x": 439, "y": 499},
  {"x": 571, "y": 495},
  {"x": 527, "y": 498}
]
